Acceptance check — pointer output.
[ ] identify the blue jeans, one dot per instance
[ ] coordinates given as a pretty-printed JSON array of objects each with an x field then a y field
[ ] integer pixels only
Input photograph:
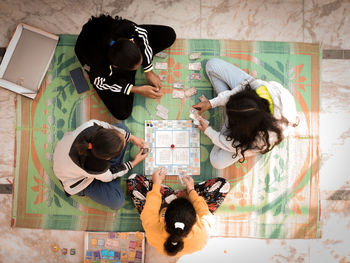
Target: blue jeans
[
  {"x": 108, "y": 193},
  {"x": 223, "y": 76}
]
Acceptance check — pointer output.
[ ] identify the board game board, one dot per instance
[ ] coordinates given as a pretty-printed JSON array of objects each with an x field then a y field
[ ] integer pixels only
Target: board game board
[
  {"x": 175, "y": 145},
  {"x": 114, "y": 247}
]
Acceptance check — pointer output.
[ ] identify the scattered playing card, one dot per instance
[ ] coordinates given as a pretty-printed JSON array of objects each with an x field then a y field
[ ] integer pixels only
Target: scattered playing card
[
  {"x": 194, "y": 66},
  {"x": 203, "y": 98},
  {"x": 196, "y": 76},
  {"x": 161, "y": 65},
  {"x": 162, "y": 109},
  {"x": 178, "y": 93},
  {"x": 178, "y": 85},
  {"x": 162, "y": 77},
  {"x": 195, "y": 55},
  {"x": 190, "y": 92},
  {"x": 161, "y": 55},
  {"x": 163, "y": 115}
]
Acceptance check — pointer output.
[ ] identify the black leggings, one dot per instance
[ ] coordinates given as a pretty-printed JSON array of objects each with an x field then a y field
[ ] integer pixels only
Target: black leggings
[{"x": 119, "y": 104}]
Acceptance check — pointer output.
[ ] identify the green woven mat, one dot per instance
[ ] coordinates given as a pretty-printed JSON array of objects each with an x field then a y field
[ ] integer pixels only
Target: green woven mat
[{"x": 39, "y": 201}]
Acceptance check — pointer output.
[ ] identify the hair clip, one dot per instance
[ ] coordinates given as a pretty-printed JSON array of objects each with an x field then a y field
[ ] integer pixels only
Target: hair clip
[
  {"x": 174, "y": 243},
  {"x": 179, "y": 225},
  {"x": 90, "y": 146},
  {"x": 111, "y": 43},
  {"x": 132, "y": 40}
]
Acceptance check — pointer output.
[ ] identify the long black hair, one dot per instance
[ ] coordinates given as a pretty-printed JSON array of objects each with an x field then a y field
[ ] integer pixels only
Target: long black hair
[
  {"x": 249, "y": 120},
  {"x": 180, "y": 217},
  {"x": 105, "y": 144},
  {"x": 123, "y": 53}
]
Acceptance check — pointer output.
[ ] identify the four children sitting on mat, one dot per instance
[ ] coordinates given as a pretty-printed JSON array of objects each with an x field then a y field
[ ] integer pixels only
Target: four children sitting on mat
[{"x": 89, "y": 159}]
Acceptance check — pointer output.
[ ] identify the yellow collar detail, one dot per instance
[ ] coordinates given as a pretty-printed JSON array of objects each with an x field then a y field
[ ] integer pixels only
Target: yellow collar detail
[{"x": 264, "y": 93}]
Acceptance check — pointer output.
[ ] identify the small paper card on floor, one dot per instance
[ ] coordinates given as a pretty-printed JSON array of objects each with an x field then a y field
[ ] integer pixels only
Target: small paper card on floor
[
  {"x": 196, "y": 76},
  {"x": 194, "y": 66},
  {"x": 178, "y": 85},
  {"x": 202, "y": 98},
  {"x": 162, "y": 77},
  {"x": 195, "y": 55},
  {"x": 161, "y": 55},
  {"x": 178, "y": 93},
  {"x": 163, "y": 115},
  {"x": 190, "y": 92},
  {"x": 161, "y": 65},
  {"x": 162, "y": 109}
]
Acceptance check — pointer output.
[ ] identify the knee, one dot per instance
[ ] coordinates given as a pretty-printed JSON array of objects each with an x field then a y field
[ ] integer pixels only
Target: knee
[
  {"x": 215, "y": 161},
  {"x": 212, "y": 64},
  {"x": 117, "y": 202},
  {"x": 171, "y": 36},
  {"x": 122, "y": 115}
]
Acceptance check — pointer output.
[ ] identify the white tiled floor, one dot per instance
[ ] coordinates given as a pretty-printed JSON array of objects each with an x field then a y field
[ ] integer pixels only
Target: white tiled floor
[{"x": 325, "y": 21}]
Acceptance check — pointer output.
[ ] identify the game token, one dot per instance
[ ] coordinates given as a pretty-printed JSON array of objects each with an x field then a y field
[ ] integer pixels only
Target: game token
[
  {"x": 55, "y": 247},
  {"x": 64, "y": 251},
  {"x": 72, "y": 251}
]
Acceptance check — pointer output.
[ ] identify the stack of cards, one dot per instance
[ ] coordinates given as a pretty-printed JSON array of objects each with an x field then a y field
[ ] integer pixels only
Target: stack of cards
[
  {"x": 190, "y": 92},
  {"x": 162, "y": 112},
  {"x": 194, "y": 66},
  {"x": 195, "y": 55},
  {"x": 161, "y": 55},
  {"x": 194, "y": 115},
  {"x": 202, "y": 98},
  {"x": 161, "y": 65}
]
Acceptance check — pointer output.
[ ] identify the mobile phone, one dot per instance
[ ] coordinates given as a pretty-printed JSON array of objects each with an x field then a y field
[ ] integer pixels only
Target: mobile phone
[
  {"x": 145, "y": 150},
  {"x": 79, "y": 80}
]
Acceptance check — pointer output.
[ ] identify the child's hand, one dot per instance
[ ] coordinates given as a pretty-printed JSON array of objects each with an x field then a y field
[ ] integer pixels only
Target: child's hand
[
  {"x": 202, "y": 106},
  {"x": 139, "y": 158},
  {"x": 158, "y": 176},
  {"x": 138, "y": 142},
  {"x": 188, "y": 180},
  {"x": 202, "y": 125}
]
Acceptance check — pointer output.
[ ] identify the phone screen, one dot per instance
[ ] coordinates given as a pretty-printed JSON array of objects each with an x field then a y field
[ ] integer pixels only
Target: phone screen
[{"x": 79, "y": 80}]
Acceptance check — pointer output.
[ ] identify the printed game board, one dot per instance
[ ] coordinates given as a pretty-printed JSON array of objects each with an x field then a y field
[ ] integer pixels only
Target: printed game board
[
  {"x": 175, "y": 145},
  {"x": 114, "y": 247}
]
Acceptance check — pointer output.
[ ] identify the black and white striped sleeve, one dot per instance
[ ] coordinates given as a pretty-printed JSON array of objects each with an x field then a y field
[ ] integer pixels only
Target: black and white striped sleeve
[
  {"x": 147, "y": 52},
  {"x": 120, "y": 169},
  {"x": 102, "y": 84}
]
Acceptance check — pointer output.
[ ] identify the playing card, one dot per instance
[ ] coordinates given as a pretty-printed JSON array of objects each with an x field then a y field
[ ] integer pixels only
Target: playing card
[
  {"x": 178, "y": 85},
  {"x": 194, "y": 66},
  {"x": 190, "y": 92},
  {"x": 162, "y": 109},
  {"x": 203, "y": 98},
  {"x": 196, "y": 76},
  {"x": 162, "y": 77},
  {"x": 161, "y": 55},
  {"x": 163, "y": 115},
  {"x": 161, "y": 65},
  {"x": 195, "y": 55},
  {"x": 178, "y": 93}
]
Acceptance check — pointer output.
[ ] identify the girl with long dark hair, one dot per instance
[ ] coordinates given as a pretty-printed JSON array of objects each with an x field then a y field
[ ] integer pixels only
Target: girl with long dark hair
[{"x": 259, "y": 114}]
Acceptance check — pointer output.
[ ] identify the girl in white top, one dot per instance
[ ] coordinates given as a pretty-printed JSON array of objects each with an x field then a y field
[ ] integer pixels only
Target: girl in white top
[
  {"x": 89, "y": 159},
  {"x": 259, "y": 114}
]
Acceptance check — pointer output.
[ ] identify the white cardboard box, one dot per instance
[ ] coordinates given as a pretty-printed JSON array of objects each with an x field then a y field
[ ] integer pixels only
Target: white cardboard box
[{"x": 27, "y": 59}]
